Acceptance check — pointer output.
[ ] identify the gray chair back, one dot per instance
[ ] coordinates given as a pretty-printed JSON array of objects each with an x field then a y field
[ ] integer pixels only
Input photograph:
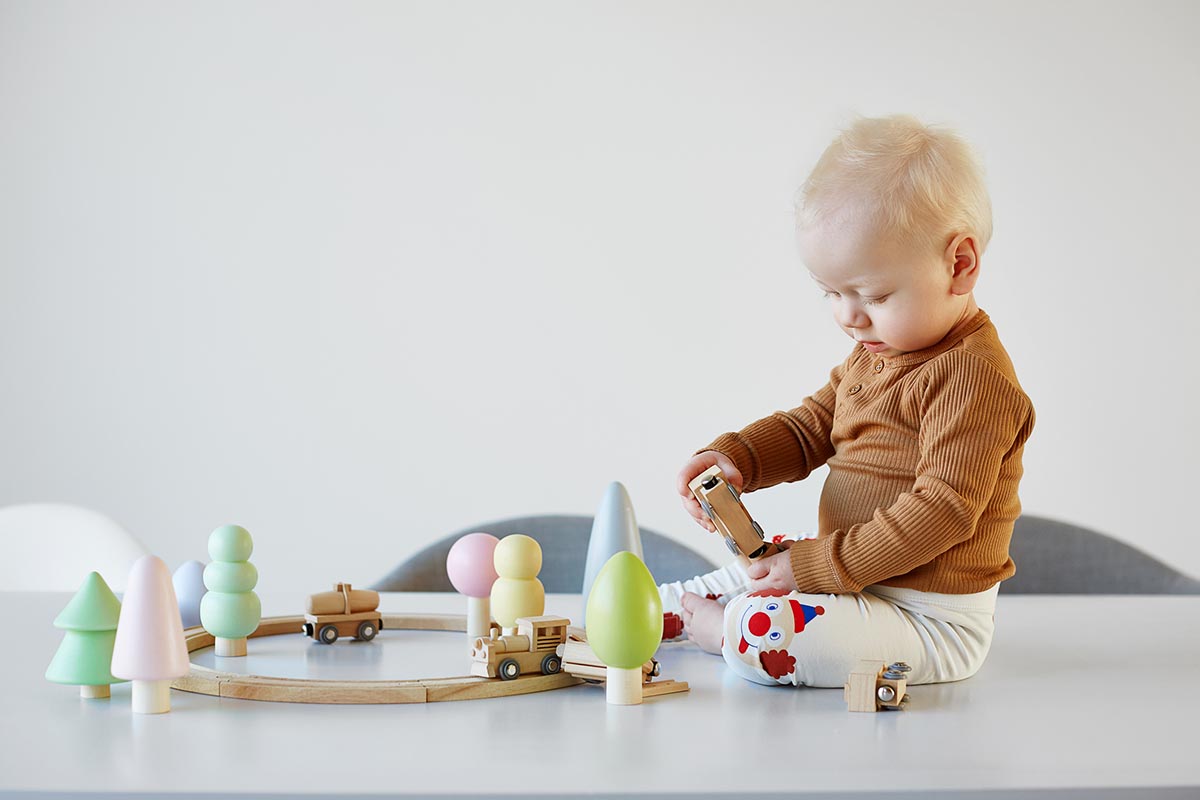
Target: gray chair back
[
  {"x": 564, "y": 541},
  {"x": 1059, "y": 558}
]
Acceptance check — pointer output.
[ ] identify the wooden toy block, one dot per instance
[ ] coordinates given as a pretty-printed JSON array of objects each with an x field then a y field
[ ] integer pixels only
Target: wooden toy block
[
  {"x": 874, "y": 686},
  {"x": 721, "y": 502},
  {"x": 345, "y": 611}
]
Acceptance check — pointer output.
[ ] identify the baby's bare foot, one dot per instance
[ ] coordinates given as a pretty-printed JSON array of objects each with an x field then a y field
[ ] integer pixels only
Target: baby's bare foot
[{"x": 703, "y": 620}]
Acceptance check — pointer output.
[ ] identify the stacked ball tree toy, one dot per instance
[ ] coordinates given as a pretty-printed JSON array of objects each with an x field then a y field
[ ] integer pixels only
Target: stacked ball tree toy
[{"x": 230, "y": 610}]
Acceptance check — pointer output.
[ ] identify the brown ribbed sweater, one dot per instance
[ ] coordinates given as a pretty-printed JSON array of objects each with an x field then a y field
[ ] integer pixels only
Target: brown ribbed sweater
[{"x": 924, "y": 454}]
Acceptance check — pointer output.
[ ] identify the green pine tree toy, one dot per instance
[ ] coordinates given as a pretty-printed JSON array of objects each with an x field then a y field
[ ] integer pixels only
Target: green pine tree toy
[
  {"x": 84, "y": 658},
  {"x": 230, "y": 611}
]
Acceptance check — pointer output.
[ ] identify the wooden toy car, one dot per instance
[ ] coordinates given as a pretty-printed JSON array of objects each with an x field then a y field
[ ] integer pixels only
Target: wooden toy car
[
  {"x": 534, "y": 648},
  {"x": 873, "y": 686},
  {"x": 343, "y": 612},
  {"x": 721, "y": 502}
]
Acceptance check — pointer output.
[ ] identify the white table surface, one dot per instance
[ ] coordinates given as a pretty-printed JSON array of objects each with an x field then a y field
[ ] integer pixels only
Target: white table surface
[{"x": 1080, "y": 697}]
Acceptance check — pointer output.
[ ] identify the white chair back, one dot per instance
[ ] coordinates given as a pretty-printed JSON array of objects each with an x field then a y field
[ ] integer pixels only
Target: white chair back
[{"x": 52, "y": 547}]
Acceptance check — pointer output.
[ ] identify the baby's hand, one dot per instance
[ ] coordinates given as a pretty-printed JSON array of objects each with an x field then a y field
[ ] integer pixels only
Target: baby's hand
[
  {"x": 773, "y": 572},
  {"x": 695, "y": 465},
  {"x": 703, "y": 620}
]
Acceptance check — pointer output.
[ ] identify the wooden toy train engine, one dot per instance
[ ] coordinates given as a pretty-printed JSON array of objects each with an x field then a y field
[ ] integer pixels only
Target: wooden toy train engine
[{"x": 534, "y": 648}]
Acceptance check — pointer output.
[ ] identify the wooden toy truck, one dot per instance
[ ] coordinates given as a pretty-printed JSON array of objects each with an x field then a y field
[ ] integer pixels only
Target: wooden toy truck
[
  {"x": 343, "y": 612},
  {"x": 721, "y": 502},
  {"x": 534, "y": 648}
]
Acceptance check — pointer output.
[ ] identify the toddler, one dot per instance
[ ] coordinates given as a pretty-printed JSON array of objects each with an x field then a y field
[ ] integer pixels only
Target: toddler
[{"x": 922, "y": 427}]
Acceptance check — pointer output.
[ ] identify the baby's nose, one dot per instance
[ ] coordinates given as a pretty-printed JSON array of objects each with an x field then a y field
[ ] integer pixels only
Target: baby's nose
[{"x": 849, "y": 315}]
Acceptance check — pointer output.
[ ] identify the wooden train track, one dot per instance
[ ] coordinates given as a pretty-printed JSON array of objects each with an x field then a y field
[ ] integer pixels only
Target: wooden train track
[{"x": 202, "y": 680}]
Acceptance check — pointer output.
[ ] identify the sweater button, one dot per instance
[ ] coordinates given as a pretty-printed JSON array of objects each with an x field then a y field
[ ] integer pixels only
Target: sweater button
[
  {"x": 855, "y": 388},
  {"x": 879, "y": 365}
]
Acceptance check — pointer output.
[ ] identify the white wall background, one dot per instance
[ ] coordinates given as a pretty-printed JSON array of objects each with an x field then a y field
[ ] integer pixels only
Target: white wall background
[{"x": 359, "y": 275}]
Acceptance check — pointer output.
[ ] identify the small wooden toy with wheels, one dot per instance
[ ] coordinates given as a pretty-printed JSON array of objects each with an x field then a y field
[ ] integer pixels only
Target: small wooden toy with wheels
[
  {"x": 873, "y": 686},
  {"x": 533, "y": 648},
  {"x": 721, "y": 502},
  {"x": 345, "y": 611}
]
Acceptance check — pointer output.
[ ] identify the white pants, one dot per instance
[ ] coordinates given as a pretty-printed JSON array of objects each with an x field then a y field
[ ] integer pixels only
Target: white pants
[{"x": 817, "y": 639}]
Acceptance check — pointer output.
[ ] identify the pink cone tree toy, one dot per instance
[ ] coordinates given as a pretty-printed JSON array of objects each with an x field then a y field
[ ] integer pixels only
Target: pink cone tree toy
[
  {"x": 472, "y": 570},
  {"x": 149, "y": 649}
]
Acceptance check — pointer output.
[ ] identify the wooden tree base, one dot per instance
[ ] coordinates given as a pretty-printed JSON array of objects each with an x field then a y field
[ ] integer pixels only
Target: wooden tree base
[
  {"x": 95, "y": 692},
  {"x": 623, "y": 687},
  {"x": 151, "y": 697},
  {"x": 230, "y": 648},
  {"x": 202, "y": 680}
]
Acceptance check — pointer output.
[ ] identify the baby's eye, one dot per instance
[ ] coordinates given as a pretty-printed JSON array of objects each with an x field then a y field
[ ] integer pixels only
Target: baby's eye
[
  {"x": 874, "y": 301},
  {"x": 828, "y": 295}
]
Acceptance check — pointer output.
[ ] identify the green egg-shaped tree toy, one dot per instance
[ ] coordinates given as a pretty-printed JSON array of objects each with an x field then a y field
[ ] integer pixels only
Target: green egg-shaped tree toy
[
  {"x": 230, "y": 610},
  {"x": 84, "y": 658},
  {"x": 624, "y": 624}
]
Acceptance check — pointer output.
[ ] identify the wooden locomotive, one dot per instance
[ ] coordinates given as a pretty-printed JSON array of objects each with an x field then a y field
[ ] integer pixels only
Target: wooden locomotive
[
  {"x": 534, "y": 648},
  {"x": 721, "y": 502},
  {"x": 345, "y": 611}
]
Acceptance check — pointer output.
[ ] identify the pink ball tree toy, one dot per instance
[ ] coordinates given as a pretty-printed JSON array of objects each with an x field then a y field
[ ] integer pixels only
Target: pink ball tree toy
[{"x": 472, "y": 571}]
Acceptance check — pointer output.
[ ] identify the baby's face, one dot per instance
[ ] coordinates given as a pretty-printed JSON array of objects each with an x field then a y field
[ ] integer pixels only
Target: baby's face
[{"x": 892, "y": 298}]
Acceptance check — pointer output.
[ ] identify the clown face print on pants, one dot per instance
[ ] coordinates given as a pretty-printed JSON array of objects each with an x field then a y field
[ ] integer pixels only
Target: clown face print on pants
[{"x": 762, "y": 625}]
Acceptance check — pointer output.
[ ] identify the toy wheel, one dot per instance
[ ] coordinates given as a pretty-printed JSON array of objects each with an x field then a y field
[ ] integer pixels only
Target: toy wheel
[
  {"x": 328, "y": 634},
  {"x": 508, "y": 669},
  {"x": 551, "y": 664},
  {"x": 367, "y": 631}
]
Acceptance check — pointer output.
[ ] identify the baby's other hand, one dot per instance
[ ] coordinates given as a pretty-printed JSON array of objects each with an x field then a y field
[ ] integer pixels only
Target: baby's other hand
[
  {"x": 703, "y": 620},
  {"x": 773, "y": 572},
  {"x": 695, "y": 465}
]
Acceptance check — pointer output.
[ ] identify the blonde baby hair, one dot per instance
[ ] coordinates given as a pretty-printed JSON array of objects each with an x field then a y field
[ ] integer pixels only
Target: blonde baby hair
[{"x": 917, "y": 183}]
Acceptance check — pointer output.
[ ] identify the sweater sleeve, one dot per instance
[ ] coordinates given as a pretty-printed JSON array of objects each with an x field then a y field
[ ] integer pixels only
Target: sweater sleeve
[
  {"x": 787, "y": 445},
  {"x": 972, "y": 418}
]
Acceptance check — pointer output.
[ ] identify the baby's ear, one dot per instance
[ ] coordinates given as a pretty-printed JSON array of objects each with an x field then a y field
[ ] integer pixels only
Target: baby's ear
[{"x": 962, "y": 257}]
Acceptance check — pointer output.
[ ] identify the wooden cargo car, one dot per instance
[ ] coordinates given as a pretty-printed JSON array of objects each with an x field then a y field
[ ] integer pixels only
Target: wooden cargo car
[{"x": 345, "y": 611}]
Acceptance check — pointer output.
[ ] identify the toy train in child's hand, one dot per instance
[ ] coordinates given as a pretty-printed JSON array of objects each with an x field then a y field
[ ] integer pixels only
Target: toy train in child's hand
[{"x": 721, "y": 502}]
